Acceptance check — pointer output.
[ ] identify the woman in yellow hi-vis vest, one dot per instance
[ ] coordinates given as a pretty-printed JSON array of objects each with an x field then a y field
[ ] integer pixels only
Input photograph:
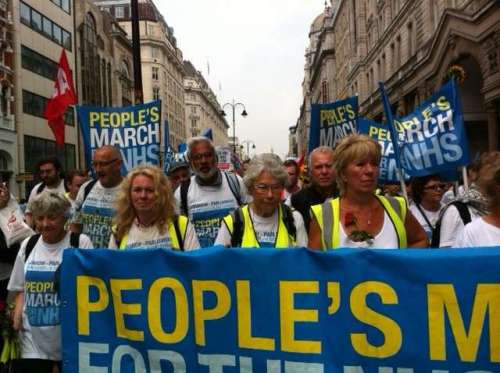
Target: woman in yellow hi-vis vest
[
  {"x": 359, "y": 217},
  {"x": 145, "y": 215},
  {"x": 265, "y": 222}
]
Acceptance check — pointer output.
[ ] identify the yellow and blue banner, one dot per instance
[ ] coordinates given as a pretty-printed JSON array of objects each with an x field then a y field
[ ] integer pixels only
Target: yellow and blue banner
[
  {"x": 330, "y": 123},
  {"x": 135, "y": 130},
  {"x": 266, "y": 310}
]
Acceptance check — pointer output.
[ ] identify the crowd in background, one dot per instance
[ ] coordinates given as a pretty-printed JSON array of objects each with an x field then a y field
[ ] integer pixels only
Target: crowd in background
[{"x": 335, "y": 201}]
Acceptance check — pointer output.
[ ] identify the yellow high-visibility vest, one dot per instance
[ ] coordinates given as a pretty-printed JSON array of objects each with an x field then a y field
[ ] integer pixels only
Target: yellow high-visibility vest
[
  {"x": 327, "y": 215},
  {"x": 249, "y": 239},
  {"x": 182, "y": 222}
]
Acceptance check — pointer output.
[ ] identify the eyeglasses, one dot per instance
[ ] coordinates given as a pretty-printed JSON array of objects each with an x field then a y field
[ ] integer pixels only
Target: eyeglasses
[
  {"x": 200, "y": 156},
  {"x": 103, "y": 163},
  {"x": 264, "y": 188},
  {"x": 436, "y": 187}
]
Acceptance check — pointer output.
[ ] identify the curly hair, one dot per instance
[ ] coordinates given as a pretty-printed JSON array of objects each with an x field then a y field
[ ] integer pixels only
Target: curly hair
[
  {"x": 489, "y": 176},
  {"x": 265, "y": 162},
  {"x": 350, "y": 149},
  {"x": 163, "y": 209},
  {"x": 49, "y": 203}
]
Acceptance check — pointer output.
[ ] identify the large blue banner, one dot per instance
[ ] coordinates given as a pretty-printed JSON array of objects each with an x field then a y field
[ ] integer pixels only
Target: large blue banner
[
  {"x": 240, "y": 310},
  {"x": 135, "y": 130},
  {"x": 330, "y": 123},
  {"x": 432, "y": 138}
]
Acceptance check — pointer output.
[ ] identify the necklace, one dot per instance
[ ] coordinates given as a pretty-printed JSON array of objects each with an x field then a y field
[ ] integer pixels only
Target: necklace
[{"x": 367, "y": 213}]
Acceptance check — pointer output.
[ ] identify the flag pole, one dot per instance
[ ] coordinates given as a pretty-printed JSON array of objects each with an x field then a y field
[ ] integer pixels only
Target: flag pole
[
  {"x": 136, "y": 48},
  {"x": 394, "y": 138}
]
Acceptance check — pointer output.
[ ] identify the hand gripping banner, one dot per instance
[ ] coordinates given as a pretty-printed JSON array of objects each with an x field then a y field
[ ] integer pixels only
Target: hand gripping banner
[{"x": 265, "y": 310}]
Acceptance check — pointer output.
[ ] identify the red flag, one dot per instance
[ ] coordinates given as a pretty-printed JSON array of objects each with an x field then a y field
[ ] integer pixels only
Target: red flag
[{"x": 64, "y": 95}]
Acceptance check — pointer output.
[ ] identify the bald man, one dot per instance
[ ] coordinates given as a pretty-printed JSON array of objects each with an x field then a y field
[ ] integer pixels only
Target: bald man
[{"x": 94, "y": 202}]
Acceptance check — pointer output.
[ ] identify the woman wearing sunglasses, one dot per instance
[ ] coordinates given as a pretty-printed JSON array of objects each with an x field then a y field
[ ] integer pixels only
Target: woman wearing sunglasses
[{"x": 427, "y": 192}]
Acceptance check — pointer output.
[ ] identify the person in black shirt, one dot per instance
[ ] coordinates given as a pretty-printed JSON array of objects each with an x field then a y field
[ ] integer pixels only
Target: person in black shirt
[{"x": 322, "y": 185}]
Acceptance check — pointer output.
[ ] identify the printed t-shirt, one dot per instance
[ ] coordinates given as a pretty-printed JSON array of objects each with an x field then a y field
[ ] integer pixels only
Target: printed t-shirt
[
  {"x": 96, "y": 212},
  {"x": 150, "y": 238},
  {"x": 207, "y": 205},
  {"x": 479, "y": 233},
  {"x": 59, "y": 189},
  {"x": 40, "y": 335},
  {"x": 265, "y": 230}
]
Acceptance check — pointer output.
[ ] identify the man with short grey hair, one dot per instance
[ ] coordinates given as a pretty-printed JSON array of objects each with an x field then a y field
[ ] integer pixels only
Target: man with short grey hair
[
  {"x": 322, "y": 185},
  {"x": 95, "y": 200},
  {"x": 209, "y": 194}
]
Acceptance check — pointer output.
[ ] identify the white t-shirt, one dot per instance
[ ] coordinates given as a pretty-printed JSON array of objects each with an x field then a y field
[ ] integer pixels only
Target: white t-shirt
[
  {"x": 59, "y": 189},
  {"x": 265, "y": 230},
  {"x": 40, "y": 334},
  {"x": 433, "y": 217},
  {"x": 96, "y": 213},
  {"x": 477, "y": 234},
  {"x": 150, "y": 238},
  {"x": 387, "y": 238},
  {"x": 207, "y": 205},
  {"x": 452, "y": 225}
]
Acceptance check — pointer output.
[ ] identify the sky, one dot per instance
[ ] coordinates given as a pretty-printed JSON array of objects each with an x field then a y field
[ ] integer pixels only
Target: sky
[{"x": 254, "y": 51}]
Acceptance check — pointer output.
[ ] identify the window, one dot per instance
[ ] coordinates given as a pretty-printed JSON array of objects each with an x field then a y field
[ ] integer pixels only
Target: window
[
  {"x": 31, "y": 18},
  {"x": 36, "y": 149},
  {"x": 66, "y": 6},
  {"x": 119, "y": 12},
  {"x": 156, "y": 93},
  {"x": 411, "y": 41},
  {"x": 91, "y": 78},
  {"x": 34, "y": 104},
  {"x": 154, "y": 73},
  {"x": 35, "y": 62}
]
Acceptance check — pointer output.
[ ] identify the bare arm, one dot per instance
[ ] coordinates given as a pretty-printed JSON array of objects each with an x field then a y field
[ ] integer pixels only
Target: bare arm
[
  {"x": 414, "y": 232},
  {"x": 17, "y": 316},
  {"x": 314, "y": 235}
]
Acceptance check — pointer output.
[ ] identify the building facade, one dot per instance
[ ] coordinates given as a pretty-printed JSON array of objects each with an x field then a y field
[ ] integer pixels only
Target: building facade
[
  {"x": 203, "y": 111},
  {"x": 8, "y": 137},
  {"x": 161, "y": 60},
  {"x": 41, "y": 30},
  {"x": 411, "y": 45}
]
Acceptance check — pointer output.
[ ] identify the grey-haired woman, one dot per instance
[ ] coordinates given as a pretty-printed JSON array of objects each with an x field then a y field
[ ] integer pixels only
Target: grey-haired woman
[{"x": 36, "y": 314}]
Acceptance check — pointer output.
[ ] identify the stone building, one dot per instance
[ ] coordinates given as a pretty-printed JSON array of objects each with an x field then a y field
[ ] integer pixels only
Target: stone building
[
  {"x": 410, "y": 45},
  {"x": 8, "y": 137},
  {"x": 161, "y": 60},
  {"x": 41, "y": 29},
  {"x": 203, "y": 111}
]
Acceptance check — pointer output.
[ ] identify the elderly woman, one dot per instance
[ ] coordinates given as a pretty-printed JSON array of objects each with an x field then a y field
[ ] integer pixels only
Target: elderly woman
[
  {"x": 36, "y": 314},
  {"x": 265, "y": 222},
  {"x": 359, "y": 217},
  {"x": 485, "y": 231},
  {"x": 145, "y": 216},
  {"x": 427, "y": 192}
]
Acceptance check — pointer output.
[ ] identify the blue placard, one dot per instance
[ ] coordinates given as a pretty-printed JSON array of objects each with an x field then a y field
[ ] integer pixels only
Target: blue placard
[
  {"x": 135, "y": 130},
  {"x": 265, "y": 310},
  {"x": 330, "y": 123}
]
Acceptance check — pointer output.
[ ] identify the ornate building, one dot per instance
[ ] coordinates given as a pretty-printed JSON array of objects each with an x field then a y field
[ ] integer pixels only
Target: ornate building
[
  {"x": 203, "y": 111},
  {"x": 410, "y": 45},
  {"x": 161, "y": 60}
]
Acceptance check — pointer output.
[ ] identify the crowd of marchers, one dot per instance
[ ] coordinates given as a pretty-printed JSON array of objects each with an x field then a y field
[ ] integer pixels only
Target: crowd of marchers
[{"x": 335, "y": 202}]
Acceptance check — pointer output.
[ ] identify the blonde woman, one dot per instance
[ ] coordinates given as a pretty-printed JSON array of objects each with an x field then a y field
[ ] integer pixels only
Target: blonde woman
[
  {"x": 145, "y": 214},
  {"x": 359, "y": 217}
]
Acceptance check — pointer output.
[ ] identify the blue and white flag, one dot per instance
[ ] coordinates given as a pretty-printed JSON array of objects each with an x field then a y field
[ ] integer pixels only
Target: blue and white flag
[
  {"x": 330, "y": 123},
  {"x": 135, "y": 130}
]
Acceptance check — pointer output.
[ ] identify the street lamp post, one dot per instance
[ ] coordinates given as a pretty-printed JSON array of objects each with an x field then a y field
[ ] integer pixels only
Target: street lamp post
[
  {"x": 244, "y": 113},
  {"x": 248, "y": 143}
]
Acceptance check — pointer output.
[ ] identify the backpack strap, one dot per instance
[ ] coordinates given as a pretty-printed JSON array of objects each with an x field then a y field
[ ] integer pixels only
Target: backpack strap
[
  {"x": 40, "y": 188},
  {"x": 234, "y": 185},
  {"x": 237, "y": 236},
  {"x": 184, "y": 196},
  {"x": 463, "y": 210},
  {"x": 464, "y": 213},
  {"x": 289, "y": 221},
  {"x": 180, "y": 236},
  {"x": 30, "y": 245},
  {"x": 74, "y": 240},
  {"x": 88, "y": 188}
]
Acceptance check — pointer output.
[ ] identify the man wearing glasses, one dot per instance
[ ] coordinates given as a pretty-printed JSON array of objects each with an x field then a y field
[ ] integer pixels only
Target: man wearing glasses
[
  {"x": 95, "y": 199},
  {"x": 209, "y": 194}
]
